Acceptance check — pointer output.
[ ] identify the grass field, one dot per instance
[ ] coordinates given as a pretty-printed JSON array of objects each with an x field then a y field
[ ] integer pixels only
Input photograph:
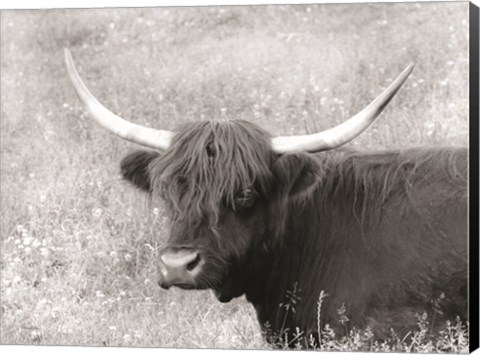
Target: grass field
[{"x": 78, "y": 244}]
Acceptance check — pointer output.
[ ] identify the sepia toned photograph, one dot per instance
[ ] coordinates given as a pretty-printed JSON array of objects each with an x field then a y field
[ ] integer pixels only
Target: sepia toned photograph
[{"x": 237, "y": 177}]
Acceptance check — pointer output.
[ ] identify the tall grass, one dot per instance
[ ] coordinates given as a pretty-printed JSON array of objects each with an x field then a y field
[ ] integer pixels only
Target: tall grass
[
  {"x": 78, "y": 244},
  {"x": 453, "y": 338}
]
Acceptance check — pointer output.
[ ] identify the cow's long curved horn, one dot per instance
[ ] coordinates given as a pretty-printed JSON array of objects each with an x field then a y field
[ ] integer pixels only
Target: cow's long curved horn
[
  {"x": 149, "y": 137},
  {"x": 346, "y": 131}
]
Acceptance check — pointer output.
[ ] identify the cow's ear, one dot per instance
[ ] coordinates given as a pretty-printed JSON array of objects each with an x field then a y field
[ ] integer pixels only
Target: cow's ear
[
  {"x": 297, "y": 175},
  {"x": 135, "y": 168}
]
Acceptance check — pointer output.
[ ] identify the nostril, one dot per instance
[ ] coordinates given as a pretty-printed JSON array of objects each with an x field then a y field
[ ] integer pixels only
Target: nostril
[
  {"x": 194, "y": 263},
  {"x": 163, "y": 285}
]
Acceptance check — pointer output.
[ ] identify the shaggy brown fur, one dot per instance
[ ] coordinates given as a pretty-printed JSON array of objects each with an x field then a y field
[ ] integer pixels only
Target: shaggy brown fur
[
  {"x": 372, "y": 178},
  {"x": 226, "y": 158}
]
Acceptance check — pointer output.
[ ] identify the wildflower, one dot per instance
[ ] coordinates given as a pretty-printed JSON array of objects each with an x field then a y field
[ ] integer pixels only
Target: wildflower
[
  {"x": 35, "y": 333},
  {"x": 155, "y": 211},
  {"x": 342, "y": 314},
  {"x": 127, "y": 337},
  {"x": 67, "y": 330},
  {"x": 97, "y": 212},
  {"x": 16, "y": 279},
  {"x": 112, "y": 328},
  {"x": 48, "y": 134},
  {"x": 128, "y": 257},
  {"x": 99, "y": 294},
  {"x": 113, "y": 254},
  {"x": 43, "y": 198}
]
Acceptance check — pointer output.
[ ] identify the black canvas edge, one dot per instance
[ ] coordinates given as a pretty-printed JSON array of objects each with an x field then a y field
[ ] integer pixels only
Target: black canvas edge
[{"x": 474, "y": 179}]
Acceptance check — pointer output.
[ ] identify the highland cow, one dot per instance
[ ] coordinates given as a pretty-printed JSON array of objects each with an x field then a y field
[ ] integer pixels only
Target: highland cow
[{"x": 381, "y": 235}]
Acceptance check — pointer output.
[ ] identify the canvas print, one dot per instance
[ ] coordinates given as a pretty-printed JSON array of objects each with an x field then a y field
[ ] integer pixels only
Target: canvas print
[{"x": 236, "y": 177}]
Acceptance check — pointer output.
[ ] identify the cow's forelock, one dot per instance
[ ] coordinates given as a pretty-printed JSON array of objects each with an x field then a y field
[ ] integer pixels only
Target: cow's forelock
[{"x": 208, "y": 164}]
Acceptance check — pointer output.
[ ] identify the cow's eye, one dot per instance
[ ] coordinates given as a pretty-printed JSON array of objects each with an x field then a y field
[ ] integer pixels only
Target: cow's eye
[
  {"x": 245, "y": 198},
  {"x": 211, "y": 151}
]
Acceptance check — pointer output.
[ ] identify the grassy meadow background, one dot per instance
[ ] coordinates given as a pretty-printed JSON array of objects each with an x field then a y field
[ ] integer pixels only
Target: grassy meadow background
[{"x": 78, "y": 244}]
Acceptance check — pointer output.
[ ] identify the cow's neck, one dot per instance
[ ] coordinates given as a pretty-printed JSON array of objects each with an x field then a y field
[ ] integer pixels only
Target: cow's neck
[{"x": 273, "y": 283}]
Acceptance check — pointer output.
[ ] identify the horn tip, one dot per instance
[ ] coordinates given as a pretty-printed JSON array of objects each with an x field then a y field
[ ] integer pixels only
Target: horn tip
[
  {"x": 67, "y": 53},
  {"x": 410, "y": 67}
]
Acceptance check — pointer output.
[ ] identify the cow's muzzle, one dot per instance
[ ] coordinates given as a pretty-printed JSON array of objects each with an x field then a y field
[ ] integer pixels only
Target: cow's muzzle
[{"x": 178, "y": 267}]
